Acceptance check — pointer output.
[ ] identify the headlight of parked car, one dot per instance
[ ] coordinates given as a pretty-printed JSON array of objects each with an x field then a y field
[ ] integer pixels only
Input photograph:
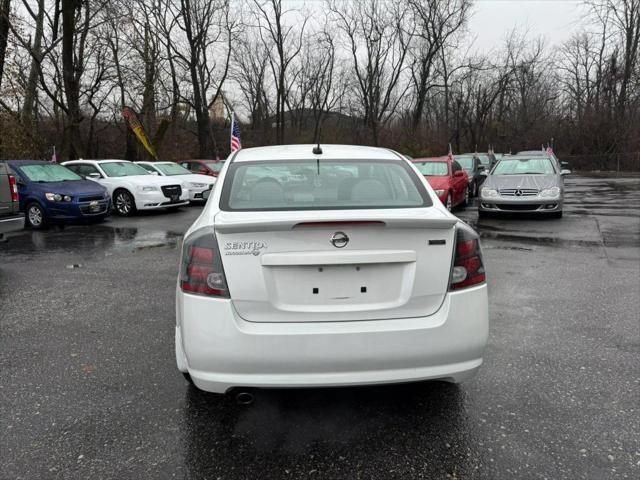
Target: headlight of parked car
[
  {"x": 56, "y": 197},
  {"x": 197, "y": 185},
  {"x": 148, "y": 189},
  {"x": 488, "y": 192},
  {"x": 552, "y": 192},
  {"x": 439, "y": 192}
]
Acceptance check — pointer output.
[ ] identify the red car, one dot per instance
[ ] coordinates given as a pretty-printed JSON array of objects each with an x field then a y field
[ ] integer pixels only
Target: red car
[
  {"x": 447, "y": 178},
  {"x": 203, "y": 167}
]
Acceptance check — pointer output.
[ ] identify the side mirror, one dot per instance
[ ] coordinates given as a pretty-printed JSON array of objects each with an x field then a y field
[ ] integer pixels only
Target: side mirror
[
  {"x": 154, "y": 173},
  {"x": 564, "y": 165},
  {"x": 459, "y": 173},
  {"x": 20, "y": 183},
  {"x": 484, "y": 172},
  {"x": 94, "y": 176},
  {"x": 206, "y": 194},
  {"x": 565, "y": 171},
  {"x": 481, "y": 168}
]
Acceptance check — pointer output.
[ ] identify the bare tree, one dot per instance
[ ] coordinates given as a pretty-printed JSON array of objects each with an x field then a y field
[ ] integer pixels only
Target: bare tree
[
  {"x": 378, "y": 42},
  {"x": 209, "y": 32},
  {"x": 437, "y": 22},
  {"x": 287, "y": 41},
  {"x": 5, "y": 10}
]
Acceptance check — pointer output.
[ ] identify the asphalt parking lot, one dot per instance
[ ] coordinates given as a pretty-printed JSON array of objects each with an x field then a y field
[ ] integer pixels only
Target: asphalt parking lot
[{"x": 89, "y": 387}]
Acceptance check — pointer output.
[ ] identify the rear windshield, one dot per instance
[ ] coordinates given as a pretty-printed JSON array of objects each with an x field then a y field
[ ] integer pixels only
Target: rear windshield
[
  {"x": 433, "y": 169},
  {"x": 465, "y": 162},
  {"x": 524, "y": 166},
  {"x": 48, "y": 173},
  {"x": 122, "y": 169},
  {"x": 172, "y": 169},
  {"x": 323, "y": 185},
  {"x": 215, "y": 166}
]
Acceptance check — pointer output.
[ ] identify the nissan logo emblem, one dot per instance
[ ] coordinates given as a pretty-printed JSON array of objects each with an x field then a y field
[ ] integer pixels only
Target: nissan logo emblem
[{"x": 339, "y": 239}]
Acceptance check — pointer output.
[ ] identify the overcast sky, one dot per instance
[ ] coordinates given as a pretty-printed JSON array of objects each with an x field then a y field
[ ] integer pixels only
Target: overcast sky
[{"x": 556, "y": 20}]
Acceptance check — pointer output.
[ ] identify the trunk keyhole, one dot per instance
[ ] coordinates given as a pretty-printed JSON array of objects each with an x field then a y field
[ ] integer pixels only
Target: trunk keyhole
[
  {"x": 363, "y": 289},
  {"x": 315, "y": 290}
]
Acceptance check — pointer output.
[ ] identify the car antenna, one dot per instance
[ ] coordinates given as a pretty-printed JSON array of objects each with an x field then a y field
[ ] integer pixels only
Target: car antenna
[{"x": 317, "y": 150}]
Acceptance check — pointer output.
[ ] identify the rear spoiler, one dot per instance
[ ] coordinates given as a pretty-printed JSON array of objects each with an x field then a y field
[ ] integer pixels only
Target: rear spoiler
[{"x": 241, "y": 222}]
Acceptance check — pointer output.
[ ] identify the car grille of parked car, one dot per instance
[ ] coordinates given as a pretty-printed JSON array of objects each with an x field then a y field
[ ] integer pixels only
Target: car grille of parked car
[
  {"x": 518, "y": 208},
  {"x": 91, "y": 198},
  {"x": 172, "y": 190},
  {"x": 519, "y": 192}
]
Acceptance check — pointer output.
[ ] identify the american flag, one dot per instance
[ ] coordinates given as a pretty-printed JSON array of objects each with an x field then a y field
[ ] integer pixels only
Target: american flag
[{"x": 235, "y": 135}]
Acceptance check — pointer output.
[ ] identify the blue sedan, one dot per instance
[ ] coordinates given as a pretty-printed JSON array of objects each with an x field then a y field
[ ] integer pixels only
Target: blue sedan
[{"x": 51, "y": 193}]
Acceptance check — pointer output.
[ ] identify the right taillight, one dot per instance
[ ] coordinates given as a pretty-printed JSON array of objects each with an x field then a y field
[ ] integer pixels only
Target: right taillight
[
  {"x": 201, "y": 269},
  {"x": 14, "y": 188},
  {"x": 468, "y": 267}
]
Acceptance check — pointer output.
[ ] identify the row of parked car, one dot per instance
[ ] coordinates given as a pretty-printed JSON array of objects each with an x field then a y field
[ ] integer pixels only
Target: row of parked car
[
  {"x": 48, "y": 192},
  {"x": 529, "y": 181}
]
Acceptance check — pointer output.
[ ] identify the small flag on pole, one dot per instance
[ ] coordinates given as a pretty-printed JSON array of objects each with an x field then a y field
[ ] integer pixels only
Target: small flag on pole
[{"x": 235, "y": 134}]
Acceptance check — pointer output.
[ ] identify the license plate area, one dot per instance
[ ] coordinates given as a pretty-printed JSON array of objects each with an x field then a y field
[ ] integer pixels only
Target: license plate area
[{"x": 332, "y": 288}]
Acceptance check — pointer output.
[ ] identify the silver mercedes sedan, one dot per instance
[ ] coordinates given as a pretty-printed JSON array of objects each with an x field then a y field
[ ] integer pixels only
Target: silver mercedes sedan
[{"x": 523, "y": 184}]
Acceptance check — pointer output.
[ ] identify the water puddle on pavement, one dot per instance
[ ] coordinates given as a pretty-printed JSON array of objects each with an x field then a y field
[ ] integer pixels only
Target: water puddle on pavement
[{"x": 89, "y": 239}]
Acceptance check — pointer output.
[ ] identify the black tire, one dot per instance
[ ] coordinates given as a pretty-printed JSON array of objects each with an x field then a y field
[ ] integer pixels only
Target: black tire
[
  {"x": 123, "y": 203},
  {"x": 187, "y": 377},
  {"x": 35, "y": 216}
]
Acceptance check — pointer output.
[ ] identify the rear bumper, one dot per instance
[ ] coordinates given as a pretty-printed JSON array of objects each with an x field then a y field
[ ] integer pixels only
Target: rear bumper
[
  {"x": 12, "y": 223},
  {"x": 222, "y": 351}
]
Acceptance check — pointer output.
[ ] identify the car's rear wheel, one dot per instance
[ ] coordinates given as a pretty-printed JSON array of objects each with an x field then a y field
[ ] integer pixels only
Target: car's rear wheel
[
  {"x": 35, "y": 216},
  {"x": 187, "y": 377},
  {"x": 123, "y": 203}
]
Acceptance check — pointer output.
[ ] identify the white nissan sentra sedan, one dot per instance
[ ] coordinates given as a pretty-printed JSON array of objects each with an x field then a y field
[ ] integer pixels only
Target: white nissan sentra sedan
[{"x": 326, "y": 269}]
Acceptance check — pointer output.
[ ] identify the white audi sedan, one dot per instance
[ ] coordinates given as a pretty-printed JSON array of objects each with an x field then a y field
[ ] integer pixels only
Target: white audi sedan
[
  {"x": 195, "y": 182},
  {"x": 336, "y": 268},
  {"x": 131, "y": 186}
]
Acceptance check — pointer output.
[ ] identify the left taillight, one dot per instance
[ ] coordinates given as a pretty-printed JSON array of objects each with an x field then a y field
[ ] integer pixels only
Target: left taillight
[
  {"x": 201, "y": 270},
  {"x": 468, "y": 267},
  {"x": 13, "y": 186}
]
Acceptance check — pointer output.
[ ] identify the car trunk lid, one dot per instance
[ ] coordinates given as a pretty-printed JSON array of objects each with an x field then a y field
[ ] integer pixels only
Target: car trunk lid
[{"x": 336, "y": 265}]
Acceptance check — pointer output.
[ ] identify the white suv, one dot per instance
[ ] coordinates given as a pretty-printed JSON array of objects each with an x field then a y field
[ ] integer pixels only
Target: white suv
[
  {"x": 131, "y": 186},
  {"x": 325, "y": 269}
]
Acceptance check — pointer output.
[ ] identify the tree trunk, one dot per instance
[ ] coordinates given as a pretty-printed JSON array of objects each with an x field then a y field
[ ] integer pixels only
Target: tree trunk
[
  {"x": 34, "y": 71},
  {"x": 5, "y": 8},
  {"x": 73, "y": 141}
]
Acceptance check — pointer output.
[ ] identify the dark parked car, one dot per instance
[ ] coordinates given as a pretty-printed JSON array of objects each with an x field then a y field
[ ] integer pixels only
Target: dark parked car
[
  {"x": 204, "y": 167},
  {"x": 10, "y": 217},
  {"x": 473, "y": 166},
  {"x": 52, "y": 193}
]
